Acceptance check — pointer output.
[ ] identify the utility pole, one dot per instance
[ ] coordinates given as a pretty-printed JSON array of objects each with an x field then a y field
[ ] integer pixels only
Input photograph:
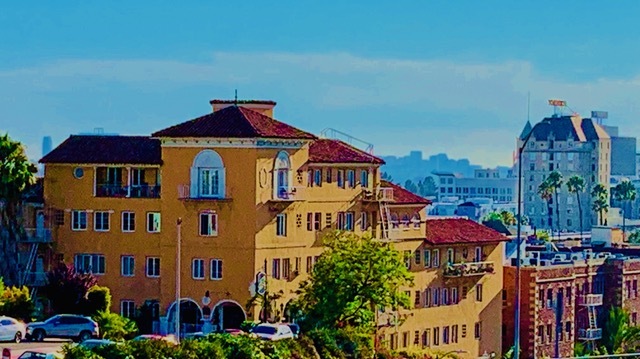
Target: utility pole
[{"x": 178, "y": 265}]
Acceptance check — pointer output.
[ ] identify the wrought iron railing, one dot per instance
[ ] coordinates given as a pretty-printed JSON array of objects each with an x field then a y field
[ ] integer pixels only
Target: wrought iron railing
[{"x": 468, "y": 269}]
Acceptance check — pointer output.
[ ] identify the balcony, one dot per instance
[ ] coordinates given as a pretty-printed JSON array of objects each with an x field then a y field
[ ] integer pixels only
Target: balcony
[
  {"x": 184, "y": 193},
  {"x": 120, "y": 191},
  {"x": 289, "y": 194},
  {"x": 468, "y": 269},
  {"x": 590, "y": 300},
  {"x": 378, "y": 195},
  {"x": 590, "y": 334},
  {"x": 37, "y": 235}
]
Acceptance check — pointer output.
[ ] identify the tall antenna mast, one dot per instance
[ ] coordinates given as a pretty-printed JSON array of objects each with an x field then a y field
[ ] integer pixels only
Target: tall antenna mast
[
  {"x": 235, "y": 101},
  {"x": 528, "y": 106}
]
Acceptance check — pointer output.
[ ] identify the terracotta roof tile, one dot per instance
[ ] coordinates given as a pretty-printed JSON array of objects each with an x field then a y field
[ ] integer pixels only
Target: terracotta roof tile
[
  {"x": 106, "y": 149},
  {"x": 235, "y": 122},
  {"x": 403, "y": 196},
  {"x": 459, "y": 230},
  {"x": 335, "y": 151}
]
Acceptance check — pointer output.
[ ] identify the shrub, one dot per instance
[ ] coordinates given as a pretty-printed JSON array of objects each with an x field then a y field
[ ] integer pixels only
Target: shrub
[
  {"x": 114, "y": 326},
  {"x": 17, "y": 303},
  {"x": 98, "y": 300},
  {"x": 247, "y": 325},
  {"x": 67, "y": 289}
]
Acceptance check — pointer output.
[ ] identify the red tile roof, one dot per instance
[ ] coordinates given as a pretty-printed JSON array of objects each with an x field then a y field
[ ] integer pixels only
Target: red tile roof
[
  {"x": 335, "y": 151},
  {"x": 460, "y": 230},
  {"x": 403, "y": 196},
  {"x": 106, "y": 149},
  {"x": 237, "y": 122}
]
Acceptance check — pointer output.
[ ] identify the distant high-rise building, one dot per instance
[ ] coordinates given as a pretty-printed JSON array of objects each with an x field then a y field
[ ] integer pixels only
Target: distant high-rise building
[
  {"x": 623, "y": 153},
  {"x": 47, "y": 145}
]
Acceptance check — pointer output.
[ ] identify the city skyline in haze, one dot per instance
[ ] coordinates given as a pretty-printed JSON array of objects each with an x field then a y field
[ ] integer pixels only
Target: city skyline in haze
[{"x": 438, "y": 77}]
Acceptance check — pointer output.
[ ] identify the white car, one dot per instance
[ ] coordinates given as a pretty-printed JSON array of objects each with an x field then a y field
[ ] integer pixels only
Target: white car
[
  {"x": 11, "y": 330},
  {"x": 272, "y": 331},
  {"x": 40, "y": 355}
]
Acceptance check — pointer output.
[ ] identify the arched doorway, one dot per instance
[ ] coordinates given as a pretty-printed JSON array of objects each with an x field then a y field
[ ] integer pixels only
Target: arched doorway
[
  {"x": 190, "y": 316},
  {"x": 228, "y": 314}
]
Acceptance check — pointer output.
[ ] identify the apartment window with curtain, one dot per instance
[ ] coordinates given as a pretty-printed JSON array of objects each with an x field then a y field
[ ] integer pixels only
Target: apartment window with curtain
[
  {"x": 351, "y": 178},
  {"x": 208, "y": 224}
]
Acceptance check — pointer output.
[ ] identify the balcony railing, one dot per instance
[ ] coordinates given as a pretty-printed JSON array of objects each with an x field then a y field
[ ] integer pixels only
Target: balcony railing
[
  {"x": 40, "y": 235},
  {"x": 184, "y": 193},
  {"x": 590, "y": 300},
  {"x": 379, "y": 195},
  {"x": 289, "y": 194},
  {"x": 138, "y": 191},
  {"x": 468, "y": 269},
  {"x": 590, "y": 334}
]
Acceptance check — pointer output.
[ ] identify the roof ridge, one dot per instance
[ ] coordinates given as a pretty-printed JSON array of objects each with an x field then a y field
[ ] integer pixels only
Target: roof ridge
[{"x": 242, "y": 109}]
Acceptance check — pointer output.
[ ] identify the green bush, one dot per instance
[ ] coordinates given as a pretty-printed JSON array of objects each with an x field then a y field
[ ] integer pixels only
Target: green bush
[
  {"x": 98, "y": 300},
  {"x": 16, "y": 302},
  {"x": 114, "y": 326},
  {"x": 348, "y": 342}
]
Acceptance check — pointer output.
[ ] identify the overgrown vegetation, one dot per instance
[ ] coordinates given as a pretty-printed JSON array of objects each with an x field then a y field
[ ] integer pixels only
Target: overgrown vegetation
[{"x": 16, "y": 302}]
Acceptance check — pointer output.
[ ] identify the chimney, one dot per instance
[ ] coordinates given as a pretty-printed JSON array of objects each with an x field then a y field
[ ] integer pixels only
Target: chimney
[{"x": 265, "y": 107}]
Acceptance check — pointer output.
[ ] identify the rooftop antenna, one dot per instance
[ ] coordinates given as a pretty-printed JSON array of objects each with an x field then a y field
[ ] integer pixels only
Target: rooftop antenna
[
  {"x": 528, "y": 106},
  {"x": 235, "y": 101}
]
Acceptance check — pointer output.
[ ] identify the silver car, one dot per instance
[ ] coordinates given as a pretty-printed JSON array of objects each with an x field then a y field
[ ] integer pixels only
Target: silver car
[
  {"x": 75, "y": 327},
  {"x": 11, "y": 330}
]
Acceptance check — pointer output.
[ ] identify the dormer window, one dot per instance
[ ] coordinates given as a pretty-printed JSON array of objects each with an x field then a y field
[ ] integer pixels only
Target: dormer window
[
  {"x": 282, "y": 176},
  {"x": 208, "y": 175}
]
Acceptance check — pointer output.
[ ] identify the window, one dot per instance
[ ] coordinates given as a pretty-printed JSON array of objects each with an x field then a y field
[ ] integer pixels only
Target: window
[
  {"x": 463, "y": 331},
  {"x": 416, "y": 221},
  {"x": 364, "y": 223},
  {"x": 477, "y": 330},
  {"x": 351, "y": 178},
  {"x": 349, "y": 221},
  {"x": 364, "y": 178},
  {"x": 427, "y": 297},
  {"x": 445, "y": 335},
  {"x": 79, "y": 220},
  {"x": 407, "y": 259},
  {"x": 317, "y": 177},
  {"x": 436, "y": 297},
  {"x": 309, "y": 221},
  {"x": 101, "y": 221},
  {"x": 454, "y": 295},
  {"x": 275, "y": 268},
  {"x": 282, "y": 173},
  {"x": 405, "y": 339},
  {"x": 281, "y": 225},
  {"x": 216, "y": 269},
  {"x": 532, "y": 166},
  {"x": 208, "y": 224},
  {"x": 309, "y": 264},
  {"x": 317, "y": 219},
  {"x": 153, "y": 267},
  {"x": 479, "y": 292},
  {"x": 207, "y": 175},
  {"x": 197, "y": 268},
  {"x": 153, "y": 222},
  {"x": 328, "y": 175},
  {"x": 477, "y": 255},
  {"x": 127, "y": 266},
  {"x": 328, "y": 220},
  {"x": 128, "y": 221},
  {"x": 286, "y": 268},
  {"x": 341, "y": 178},
  {"x": 127, "y": 308},
  {"x": 427, "y": 258},
  {"x": 450, "y": 256},
  {"x": 445, "y": 296},
  {"x": 90, "y": 263},
  {"x": 454, "y": 333},
  {"x": 549, "y": 333},
  {"x": 416, "y": 256},
  {"x": 436, "y": 336},
  {"x": 58, "y": 217},
  {"x": 541, "y": 333},
  {"x": 435, "y": 258},
  {"x": 416, "y": 300}
]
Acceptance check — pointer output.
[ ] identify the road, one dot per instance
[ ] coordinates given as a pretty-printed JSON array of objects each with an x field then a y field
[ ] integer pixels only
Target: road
[{"x": 47, "y": 346}]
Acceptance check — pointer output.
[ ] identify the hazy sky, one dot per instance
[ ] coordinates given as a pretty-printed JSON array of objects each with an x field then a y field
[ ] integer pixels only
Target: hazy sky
[{"x": 439, "y": 76}]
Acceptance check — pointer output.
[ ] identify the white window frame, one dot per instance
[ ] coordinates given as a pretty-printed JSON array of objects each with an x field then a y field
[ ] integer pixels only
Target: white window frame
[
  {"x": 95, "y": 221},
  {"x": 213, "y": 186},
  {"x": 212, "y": 224},
  {"x": 427, "y": 258},
  {"x": 130, "y": 221},
  {"x": 349, "y": 221},
  {"x": 125, "y": 262},
  {"x": 281, "y": 225},
  {"x": 81, "y": 259},
  {"x": 79, "y": 214},
  {"x": 127, "y": 308},
  {"x": 477, "y": 254},
  {"x": 197, "y": 269},
  {"x": 156, "y": 225},
  {"x": 152, "y": 267},
  {"x": 364, "y": 178},
  {"x": 364, "y": 221},
  {"x": 451, "y": 256},
  {"x": 215, "y": 270}
]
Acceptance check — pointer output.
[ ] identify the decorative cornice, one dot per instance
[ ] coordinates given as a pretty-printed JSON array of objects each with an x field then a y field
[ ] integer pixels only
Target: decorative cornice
[{"x": 234, "y": 142}]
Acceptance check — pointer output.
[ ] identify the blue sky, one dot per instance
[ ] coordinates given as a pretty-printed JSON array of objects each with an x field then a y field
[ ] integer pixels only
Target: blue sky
[{"x": 439, "y": 76}]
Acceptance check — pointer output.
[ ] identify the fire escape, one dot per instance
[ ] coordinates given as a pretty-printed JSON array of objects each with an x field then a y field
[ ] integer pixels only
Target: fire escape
[{"x": 592, "y": 332}]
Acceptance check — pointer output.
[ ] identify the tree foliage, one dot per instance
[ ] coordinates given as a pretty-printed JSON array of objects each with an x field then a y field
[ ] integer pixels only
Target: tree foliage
[
  {"x": 576, "y": 185},
  {"x": 507, "y": 218},
  {"x": 600, "y": 204},
  {"x": 619, "y": 336},
  {"x": 16, "y": 302},
  {"x": 425, "y": 187},
  {"x": 114, "y": 326},
  {"x": 354, "y": 276},
  {"x": 98, "y": 300},
  {"x": 67, "y": 289},
  {"x": 16, "y": 174}
]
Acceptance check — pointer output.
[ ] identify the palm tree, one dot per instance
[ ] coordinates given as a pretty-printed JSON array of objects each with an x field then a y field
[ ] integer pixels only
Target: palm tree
[
  {"x": 625, "y": 192},
  {"x": 619, "y": 336},
  {"x": 600, "y": 196},
  {"x": 576, "y": 185},
  {"x": 16, "y": 174},
  {"x": 555, "y": 183},
  {"x": 545, "y": 192}
]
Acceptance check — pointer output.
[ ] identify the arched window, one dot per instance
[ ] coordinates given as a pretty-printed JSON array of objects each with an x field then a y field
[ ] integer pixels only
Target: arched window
[
  {"x": 282, "y": 176},
  {"x": 416, "y": 220},
  {"x": 208, "y": 175}
]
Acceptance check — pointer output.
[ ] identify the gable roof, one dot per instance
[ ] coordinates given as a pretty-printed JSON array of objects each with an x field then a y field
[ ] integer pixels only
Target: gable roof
[
  {"x": 326, "y": 150},
  {"x": 234, "y": 122},
  {"x": 106, "y": 149},
  {"x": 459, "y": 230},
  {"x": 403, "y": 196}
]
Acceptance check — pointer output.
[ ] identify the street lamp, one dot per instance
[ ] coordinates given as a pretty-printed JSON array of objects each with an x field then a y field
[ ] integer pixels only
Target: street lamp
[
  {"x": 178, "y": 248},
  {"x": 516, "y": 336}
]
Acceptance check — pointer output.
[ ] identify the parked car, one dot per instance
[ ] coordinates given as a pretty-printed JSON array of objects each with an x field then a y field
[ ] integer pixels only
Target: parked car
[
  {"x": 234, "y": 332},
  {"x": 40, "y": 355},
  {"x": 76, "y": 327},
  {"x": 195, "y": 336},
  {"x": 171, "y": 339},
  {"x": 94, "y": 343},
  {"x": 11, "y": 329},
  {"x": 272, "y": 331}
]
